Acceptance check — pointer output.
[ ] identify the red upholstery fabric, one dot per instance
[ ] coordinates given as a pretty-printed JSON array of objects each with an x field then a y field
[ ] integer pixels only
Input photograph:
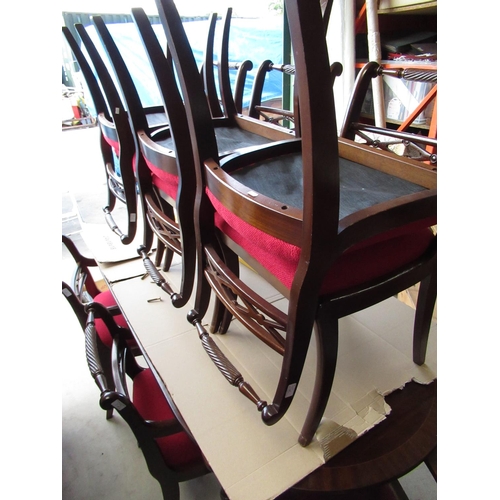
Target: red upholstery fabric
[
  {"x": 114, "y": 144},
  {"x": 178, "y": 450},
  {"x": 365, "y": 261},
  {"x": 107, "y": 300},
  {"x": 166, "y": 182}
]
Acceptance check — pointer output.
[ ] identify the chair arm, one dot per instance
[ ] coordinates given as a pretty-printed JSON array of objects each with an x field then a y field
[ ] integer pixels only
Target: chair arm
[
  {"x": 155, "y": 429},
  {"x": 162, "y": 428},
  {"x": 228, "y": 370},
  {"x": 92, "y": 354},
  {"x": 96, "y": 310},
  {"x": 281, "y": 114},
  {"x": 114, "y": 310},
  {"x": 410, "y": 74},
  {"x": 77, "y": 256},
  {"x": 243, "y": 68},
  {"x": 404, "y": 136},
  {"x": 125, "y": 238}
]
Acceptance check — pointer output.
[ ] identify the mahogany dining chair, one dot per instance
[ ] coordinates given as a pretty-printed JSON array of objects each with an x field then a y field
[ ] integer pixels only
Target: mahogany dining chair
[
  {"x": 117, "y": 157},
  {"x": 222, "y": 100},
  {"x": 335, "y": 226},
  {"x": 165, "y": 200},
  {"x": 280, "y": 116},
  {"x": 81, "y": 290},
  {"x": 171, "y": 453},
  {"x": 415, "y": 145}
]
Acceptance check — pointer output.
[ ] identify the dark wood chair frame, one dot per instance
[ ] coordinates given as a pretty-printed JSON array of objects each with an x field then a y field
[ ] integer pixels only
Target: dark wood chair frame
[
  {"x": 168, "y": 219},
  {"x": 159, "y": 209},
  {"x": 235, "y": 99},
  {"x": 81, "y": 290},
  {"x": 279, "y": 116},
  {"x": 273, "y": 114},
  {"x": 317, "y": 229},
  {"x": 115, "y": 395},
  {"x": 166, "y": 159},
  {"x": 423, "y": 148},
  {"x": 121, "y": 184}
]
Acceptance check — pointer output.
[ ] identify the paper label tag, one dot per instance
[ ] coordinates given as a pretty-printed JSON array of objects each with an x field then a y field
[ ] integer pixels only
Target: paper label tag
[
  {"x": 118, "y": 405},
  {"x": 290, "y": 391}
]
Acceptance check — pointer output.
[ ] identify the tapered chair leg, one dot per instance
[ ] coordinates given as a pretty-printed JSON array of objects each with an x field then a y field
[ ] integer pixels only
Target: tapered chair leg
[
  {"x": 327, "y": 338},
  {"x": 225, "y": 316},
  {"x": 423, "y": 316},
  {"x": 169, "y": 490},
  {"x": 218, "y": 317},
  {"x": 167, "y": 261},
  {"x": 160, "y": 250}
]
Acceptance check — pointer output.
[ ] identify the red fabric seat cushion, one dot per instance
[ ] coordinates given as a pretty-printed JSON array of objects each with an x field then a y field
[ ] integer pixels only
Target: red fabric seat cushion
[
  {"x": 107, "y": 300},
  {"x": 363, "y": 262},
  {"x": 114, "y": 144},
  {"x": 178, "y": 450},
  {"x": 165, "y": 181}
]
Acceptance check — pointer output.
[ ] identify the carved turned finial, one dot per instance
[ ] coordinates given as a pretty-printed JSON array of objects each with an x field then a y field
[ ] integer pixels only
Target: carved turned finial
[
  {"x": 247, "y": 390},
  {"x": 230, "y": 372},
  {"x": 192, "y": 316}
]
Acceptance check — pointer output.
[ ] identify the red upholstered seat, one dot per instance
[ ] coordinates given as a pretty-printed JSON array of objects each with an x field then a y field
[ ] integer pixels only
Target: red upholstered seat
[
  {"x": 178, "y": 450},
  {"x": 114, "y": 144},
  {"x": 170, "y": 453},
  {"x": 166, "y": 182},
  {"x": 107, "y": 300},
  {"x": 315, "y": 196},
  {"x": 365, "y": 261}
]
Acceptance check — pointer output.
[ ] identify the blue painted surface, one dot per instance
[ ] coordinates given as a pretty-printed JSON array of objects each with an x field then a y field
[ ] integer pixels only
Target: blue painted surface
[{"x": 253, "y": 39}]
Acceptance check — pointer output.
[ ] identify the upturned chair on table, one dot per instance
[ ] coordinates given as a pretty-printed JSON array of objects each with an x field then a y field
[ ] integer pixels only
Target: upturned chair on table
[
  {"x": 334, "y": 226},
  {"x": 416, "y": 146},
  {"x": 280, "y": 116},
  {"x": 150, "y": 182},
  {"x": 166, "y": 202},
  {"x": 117, "y": 157},
  {"x": 223, "y": 102}
]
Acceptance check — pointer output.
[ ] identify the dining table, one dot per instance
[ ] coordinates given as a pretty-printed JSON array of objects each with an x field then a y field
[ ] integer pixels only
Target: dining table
[{"x": 380, "y": 422}]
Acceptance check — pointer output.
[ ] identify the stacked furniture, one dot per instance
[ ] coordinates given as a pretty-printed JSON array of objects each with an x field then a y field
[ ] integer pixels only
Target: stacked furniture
[{"x": 335, "y": 226}]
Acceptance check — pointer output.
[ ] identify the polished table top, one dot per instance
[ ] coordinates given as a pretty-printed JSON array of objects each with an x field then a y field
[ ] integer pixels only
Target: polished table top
[{"x": 390, "y": 450}]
